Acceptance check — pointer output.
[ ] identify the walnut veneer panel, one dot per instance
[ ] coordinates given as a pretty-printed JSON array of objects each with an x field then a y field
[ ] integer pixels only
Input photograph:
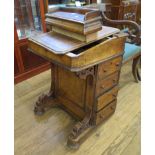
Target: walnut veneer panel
[{"x": 70, "y": 87}]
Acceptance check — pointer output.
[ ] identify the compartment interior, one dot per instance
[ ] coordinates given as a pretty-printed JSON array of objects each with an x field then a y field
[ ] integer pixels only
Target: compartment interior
[{"x": 82, "y": 49}]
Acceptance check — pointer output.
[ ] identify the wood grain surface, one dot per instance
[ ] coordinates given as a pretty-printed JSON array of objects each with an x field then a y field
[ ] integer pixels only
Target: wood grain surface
[
  {"x": 60, "y": 44},
  {"x": 47, "y": 134}
]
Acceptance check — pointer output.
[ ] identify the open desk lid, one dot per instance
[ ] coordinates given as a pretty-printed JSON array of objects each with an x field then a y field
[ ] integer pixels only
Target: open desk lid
[{"x": 60, "y": 44}]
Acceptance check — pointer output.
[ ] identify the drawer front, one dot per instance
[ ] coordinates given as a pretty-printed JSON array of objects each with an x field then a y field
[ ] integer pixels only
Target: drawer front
[
  {"x": 107, "y": 83},
  {"x": 109, "y": 67},
  {"x": 106, "y": 98},
  {"x": 106, "y": 112}
]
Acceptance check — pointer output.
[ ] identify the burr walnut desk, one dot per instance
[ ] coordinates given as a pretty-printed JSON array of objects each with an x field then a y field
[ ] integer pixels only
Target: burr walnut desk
[{"x": 84, "y": 77}]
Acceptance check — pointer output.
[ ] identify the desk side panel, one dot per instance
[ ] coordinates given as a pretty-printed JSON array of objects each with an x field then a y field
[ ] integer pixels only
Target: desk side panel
[{"x": 71, "y": 91}]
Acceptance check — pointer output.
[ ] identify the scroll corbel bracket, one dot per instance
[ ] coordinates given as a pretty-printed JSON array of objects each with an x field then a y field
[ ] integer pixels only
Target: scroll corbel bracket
[
  {"x": 84, "y": 73},
  {"x": 45, "y": 101},
  {"x": 78, "y": 129}
]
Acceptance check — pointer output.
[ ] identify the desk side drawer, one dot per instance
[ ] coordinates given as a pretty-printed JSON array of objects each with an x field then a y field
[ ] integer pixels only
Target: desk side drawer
[
  {"x": 109, "y": 67},
  {"x": 106, "y": 112},
  {"x": 107, "y": 83},
  {"x": 106, "y": 98}
]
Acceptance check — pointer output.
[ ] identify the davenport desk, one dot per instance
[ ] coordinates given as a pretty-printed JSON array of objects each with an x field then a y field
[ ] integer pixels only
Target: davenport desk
[{"x": 84, "y": 77}]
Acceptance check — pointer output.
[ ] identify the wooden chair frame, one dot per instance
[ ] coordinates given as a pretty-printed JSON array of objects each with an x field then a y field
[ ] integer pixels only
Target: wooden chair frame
[{"x": 135, "y": 39}]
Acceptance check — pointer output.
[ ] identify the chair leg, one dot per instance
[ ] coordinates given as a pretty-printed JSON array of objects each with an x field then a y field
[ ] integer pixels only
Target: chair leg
[
  {"x": 135, "y": 71},
  {"x": 139, "y": 63},
  {"x": 138, "y": 75}
]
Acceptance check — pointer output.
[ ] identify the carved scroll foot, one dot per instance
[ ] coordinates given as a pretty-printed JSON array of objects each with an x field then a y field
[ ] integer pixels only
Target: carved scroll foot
[
  {"x": 39, "y": 110},
  {"x": 44, "y": 101},
  {"x": 72, "y": 143},
  {"x": 74, "y": 137}
]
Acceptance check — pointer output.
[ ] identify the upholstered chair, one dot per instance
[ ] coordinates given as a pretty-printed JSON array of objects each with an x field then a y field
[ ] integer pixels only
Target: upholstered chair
[{"x": 132, "y": 49}]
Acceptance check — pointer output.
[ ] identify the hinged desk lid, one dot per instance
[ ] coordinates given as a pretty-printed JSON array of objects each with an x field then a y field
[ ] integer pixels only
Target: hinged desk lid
[{"x": 60, "y": 44}]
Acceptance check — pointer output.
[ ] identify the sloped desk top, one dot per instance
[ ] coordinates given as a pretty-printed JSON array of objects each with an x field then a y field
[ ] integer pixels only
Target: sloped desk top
[{"x": 60, "y": 44}]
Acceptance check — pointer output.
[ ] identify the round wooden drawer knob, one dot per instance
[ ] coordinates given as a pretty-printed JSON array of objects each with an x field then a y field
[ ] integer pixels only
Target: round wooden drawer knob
[
  {"x": 114, "y": 80},
  {"x": 103, "y": 87},
  {"x": 117, "y": 64}
]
